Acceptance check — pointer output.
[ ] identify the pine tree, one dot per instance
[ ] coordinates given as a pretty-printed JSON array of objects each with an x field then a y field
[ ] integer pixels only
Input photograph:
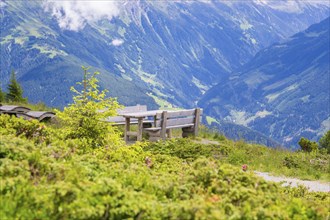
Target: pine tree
[
  {"x": 2, "y": 95},
  {"x": 15, "y": 91}
]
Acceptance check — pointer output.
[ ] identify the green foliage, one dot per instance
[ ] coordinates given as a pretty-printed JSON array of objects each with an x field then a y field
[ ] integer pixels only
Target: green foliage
[
  {"x": 57, "y": 182},
  {"x": 325, "y": 142},
  {"x": 78, "y": 169},
  {"x": 15, "y": 91},
  {"x": 307, "y": 145},
  {"x": 292, "y": 161},
  {"x": 211, "y": 134},
  {"x": 277, "y": 161},
  {"x": 31, "y": 129},
  {"x": 2, "y": 95},
  {"x": 84, "y": 119}
]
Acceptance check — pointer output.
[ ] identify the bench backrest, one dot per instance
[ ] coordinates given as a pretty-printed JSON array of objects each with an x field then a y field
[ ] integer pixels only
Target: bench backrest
[
  {"x": 173, "y": 118},
  {"x": 184, "y": 118}
]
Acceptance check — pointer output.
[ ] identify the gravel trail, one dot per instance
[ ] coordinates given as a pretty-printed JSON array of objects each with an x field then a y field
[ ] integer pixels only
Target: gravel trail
[{"x": 315, "y": 186}]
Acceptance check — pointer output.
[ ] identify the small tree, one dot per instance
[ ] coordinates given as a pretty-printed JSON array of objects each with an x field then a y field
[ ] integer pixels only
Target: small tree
[
  {"x": 2, "y": 95},
  {"x": 325, "y": 142},
  {"x": 15, "y": 91},
  {"x": 84, "y": 119},
  {"x": 307, "y": 145}
]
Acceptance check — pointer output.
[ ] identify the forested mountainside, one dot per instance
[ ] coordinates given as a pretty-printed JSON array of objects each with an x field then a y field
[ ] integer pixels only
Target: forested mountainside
[
  {"x": 283, "y": 92},
  {"x": 154, "y": 53}
]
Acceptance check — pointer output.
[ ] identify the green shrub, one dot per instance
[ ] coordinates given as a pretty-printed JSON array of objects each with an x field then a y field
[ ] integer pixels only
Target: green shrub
[
  {"x": 325, "y": 142},
  {"x": 307, "y": 145},
  {"x": 291, "y": 161},
  {"x": 60, "y": 181},
  {"x": 31, "y": 129},
  {"x": 2, "y": 95},
  {"x": 84, "y": 119}
]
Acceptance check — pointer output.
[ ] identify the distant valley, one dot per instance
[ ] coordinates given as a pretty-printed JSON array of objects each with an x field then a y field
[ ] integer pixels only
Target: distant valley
[{"x": 283, "y": 92}]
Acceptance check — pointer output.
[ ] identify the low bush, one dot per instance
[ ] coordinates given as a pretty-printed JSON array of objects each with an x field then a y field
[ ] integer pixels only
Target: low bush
[
  {"x": 307, "y": 145},
  {"x": 58, "y": 182},
  {"x": 30, "y": 129}
]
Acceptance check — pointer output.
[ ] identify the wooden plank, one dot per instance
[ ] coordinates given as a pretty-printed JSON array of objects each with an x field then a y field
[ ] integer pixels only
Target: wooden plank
[
  {"x": 141, "y": 114},
  {"x": 164, "y": 124},
  {"x": 127, "y": 128},
  {"x": 181, "y": 126},
  {"x": 119, "y": 119},
  {"x": 152, "y": 129},
  {"x": 181, "y": 113},
  {"x": 197, "y": 121},
  {"x": 129, "y": 109},
  {"x": 170, "y": 127},
  {"x": 180, "y": 121},
  {"x": 140, "y": 128}
]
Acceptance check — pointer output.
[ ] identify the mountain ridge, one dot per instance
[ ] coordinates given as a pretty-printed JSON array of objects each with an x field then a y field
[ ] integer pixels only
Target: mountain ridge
[
  {"x": 281, "y": 92},
  {"x": 155, "y": 49}
]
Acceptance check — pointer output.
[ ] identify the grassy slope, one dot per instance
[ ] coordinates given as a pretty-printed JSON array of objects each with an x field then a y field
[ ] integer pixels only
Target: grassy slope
[{"x": 176, "y": 179}]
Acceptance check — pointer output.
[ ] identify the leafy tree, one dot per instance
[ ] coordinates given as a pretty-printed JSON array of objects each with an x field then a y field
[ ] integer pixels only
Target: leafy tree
[
  {"x": 307, "y": 145},
  {"x": 325, "y": 141},
  {"x": 84, "y": 119},
  {"x": 15, "y": 91}
]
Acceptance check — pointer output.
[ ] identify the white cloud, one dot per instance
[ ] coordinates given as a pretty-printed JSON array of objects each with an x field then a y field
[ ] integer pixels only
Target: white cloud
[
  {"x": 74, "y": 14},
  {"x": 117, "y": 42},
  {"x": 292, "y": 6},
  {"x": 2, "y": 4}
]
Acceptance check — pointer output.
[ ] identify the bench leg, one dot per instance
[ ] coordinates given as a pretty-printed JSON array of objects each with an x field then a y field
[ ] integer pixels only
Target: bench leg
[
  {"x": 140, "y": 128},
  {"x": 169, "y": 133},
  {"x": 127, "y": 128}
]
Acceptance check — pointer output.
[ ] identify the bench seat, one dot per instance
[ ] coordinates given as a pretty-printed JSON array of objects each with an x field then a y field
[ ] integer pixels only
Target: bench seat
[{"x": 170, "y": 127}]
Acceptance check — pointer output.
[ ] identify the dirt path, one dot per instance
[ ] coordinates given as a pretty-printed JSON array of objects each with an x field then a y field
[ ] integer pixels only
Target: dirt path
[{"x": 315, "y": 186}]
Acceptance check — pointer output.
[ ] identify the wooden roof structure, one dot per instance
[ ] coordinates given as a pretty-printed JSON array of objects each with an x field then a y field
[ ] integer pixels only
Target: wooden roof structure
[
  {"x": 13, "y": 109},
  {"x": 26, "y": 113}
]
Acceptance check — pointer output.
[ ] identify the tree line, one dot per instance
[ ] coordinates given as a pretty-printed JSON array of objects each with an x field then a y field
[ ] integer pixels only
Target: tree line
[{"x": 15, "y": 91}]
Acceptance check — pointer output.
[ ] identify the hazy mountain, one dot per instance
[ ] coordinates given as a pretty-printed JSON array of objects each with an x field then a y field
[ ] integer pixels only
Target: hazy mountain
[
  {"x": 283, "y": 92},
  {"x": 148, "y": 51}
]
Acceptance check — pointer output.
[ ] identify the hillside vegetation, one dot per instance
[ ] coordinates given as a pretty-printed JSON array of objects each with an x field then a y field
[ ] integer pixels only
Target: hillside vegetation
[
  {"x": 45, "y": 177},
  {"x": 78, "y": 167}
]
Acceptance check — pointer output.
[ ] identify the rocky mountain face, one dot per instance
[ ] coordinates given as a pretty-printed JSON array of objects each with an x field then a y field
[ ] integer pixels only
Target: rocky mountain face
[
  {"x": 154, "y": 53},
  {"x": 283, "y": 92},
  {"x": 158, "y": 53}
]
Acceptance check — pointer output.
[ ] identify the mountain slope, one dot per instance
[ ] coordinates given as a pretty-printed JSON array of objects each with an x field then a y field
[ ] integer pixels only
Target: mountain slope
[
  {"x": 164, "y": 52},
  {"x": 283, "y": 92}
]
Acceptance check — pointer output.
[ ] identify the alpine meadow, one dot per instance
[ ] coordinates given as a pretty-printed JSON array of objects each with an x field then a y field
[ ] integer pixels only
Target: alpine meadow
[{"x": 138, "y": 109}]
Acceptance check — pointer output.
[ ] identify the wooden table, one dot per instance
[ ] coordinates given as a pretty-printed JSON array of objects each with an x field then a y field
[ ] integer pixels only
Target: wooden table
[{"x": 140, "y": 116}]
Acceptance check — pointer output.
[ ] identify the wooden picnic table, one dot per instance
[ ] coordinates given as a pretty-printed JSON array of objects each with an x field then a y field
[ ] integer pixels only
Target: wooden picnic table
[{"x": 140, "y": 116}]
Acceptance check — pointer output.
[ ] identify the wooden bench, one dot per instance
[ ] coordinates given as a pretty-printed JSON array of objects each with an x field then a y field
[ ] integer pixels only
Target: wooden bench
[
  {"x": 120, "y": 120},
  {"x": 188, "y": 120}
]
